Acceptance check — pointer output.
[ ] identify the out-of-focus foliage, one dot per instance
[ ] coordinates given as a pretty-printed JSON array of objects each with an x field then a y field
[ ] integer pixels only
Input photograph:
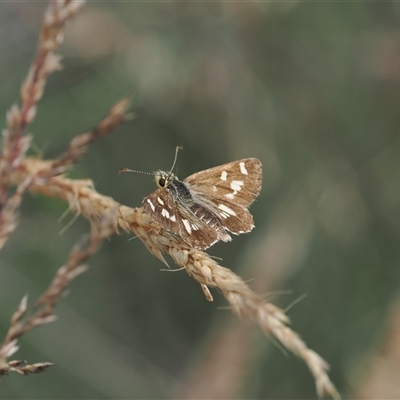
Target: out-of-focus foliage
[{"x": 313, "y": 91}]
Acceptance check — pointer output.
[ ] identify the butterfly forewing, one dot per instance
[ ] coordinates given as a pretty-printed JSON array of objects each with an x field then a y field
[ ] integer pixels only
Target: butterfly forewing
[
  {"x": 163, "y": 209},
  {"x": 238, "y": 182},
  {"x": 207, "y": 204}
]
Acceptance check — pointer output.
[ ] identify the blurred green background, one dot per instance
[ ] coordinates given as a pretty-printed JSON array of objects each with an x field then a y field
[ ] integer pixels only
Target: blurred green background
[{"x": 312, "y": 90}]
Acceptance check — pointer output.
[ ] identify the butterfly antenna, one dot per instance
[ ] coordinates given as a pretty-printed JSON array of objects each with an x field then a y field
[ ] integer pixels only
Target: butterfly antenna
[
  {"x": 132, "y": 170},
  {"x": 176, "y": 156}
]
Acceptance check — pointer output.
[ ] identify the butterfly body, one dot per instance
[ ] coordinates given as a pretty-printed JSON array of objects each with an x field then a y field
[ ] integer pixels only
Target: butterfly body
[{"x": 205, "y": 206}]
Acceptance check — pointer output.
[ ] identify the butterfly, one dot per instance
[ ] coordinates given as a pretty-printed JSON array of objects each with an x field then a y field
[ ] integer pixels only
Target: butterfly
[{"x": 205, "y": 206}]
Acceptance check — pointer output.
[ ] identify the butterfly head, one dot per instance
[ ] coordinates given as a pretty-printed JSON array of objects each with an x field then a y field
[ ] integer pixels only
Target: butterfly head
[{"x": 163, "y": 179}]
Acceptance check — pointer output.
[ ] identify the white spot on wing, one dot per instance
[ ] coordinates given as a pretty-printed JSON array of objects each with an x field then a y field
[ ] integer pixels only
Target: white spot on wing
[
  {"x": 187, "y": 226},
  {"x": 236, "y": 185},
  {"x": 160, "y": 201},
  {"x": 151, "y": 205},
  {"x": 226, "y": 209},
  {"x": 224, "y": 215},
  {"x": 224, "y": 174},
  {"x": 230, "y": 196},
  {"x": 173, "y": 219},
  {"x": 165, "y": 213},
  {"x": 243, "y": 169}
]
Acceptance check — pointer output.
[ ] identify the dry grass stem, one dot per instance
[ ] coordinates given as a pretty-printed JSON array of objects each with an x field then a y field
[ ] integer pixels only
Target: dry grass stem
[
  {"x": 381, "y": 368},
  {"x": 15, "y": 141},
  {"x": 44, "y": 307},
  {"x": 78, "y": 145},
  {"x": 198, "y": 264},
  {"x": 22, "y": 368},
  {"x": 107, "y": 217},
  {"x": 44, "y": 170}
]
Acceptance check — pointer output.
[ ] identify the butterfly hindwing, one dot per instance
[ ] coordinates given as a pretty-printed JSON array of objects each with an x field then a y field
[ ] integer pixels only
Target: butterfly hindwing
[{"x": 197, "y": 226}]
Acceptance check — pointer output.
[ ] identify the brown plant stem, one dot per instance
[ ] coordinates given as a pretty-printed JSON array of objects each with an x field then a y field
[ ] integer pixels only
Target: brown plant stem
[
  {"x": 43, "y": 311},
  {"x": 15, "y": 141},
  {"x": 84, "y": 199},
  {"x": 23, "y": 368}
]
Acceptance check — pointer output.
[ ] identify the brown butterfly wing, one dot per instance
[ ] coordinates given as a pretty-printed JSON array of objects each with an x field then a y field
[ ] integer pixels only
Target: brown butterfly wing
[
  {"x": 238, "y": 182},
  {"x": 230, "y": 189},
  {"x": 197, "y": 226}
]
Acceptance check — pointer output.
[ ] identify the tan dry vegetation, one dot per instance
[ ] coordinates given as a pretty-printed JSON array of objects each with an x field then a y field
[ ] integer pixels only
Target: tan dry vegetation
[{"x": 106, "y": 216}]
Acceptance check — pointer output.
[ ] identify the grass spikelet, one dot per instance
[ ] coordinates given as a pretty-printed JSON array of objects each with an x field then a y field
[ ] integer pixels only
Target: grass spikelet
[
  {"x": 43, "y": 311},
  {"x": 23, "y": 368},
  {"x": 15, "y": 141}
]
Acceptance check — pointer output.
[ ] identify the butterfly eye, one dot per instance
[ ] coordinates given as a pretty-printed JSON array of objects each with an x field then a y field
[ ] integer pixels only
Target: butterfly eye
[{"x": 161, "y": 182}]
